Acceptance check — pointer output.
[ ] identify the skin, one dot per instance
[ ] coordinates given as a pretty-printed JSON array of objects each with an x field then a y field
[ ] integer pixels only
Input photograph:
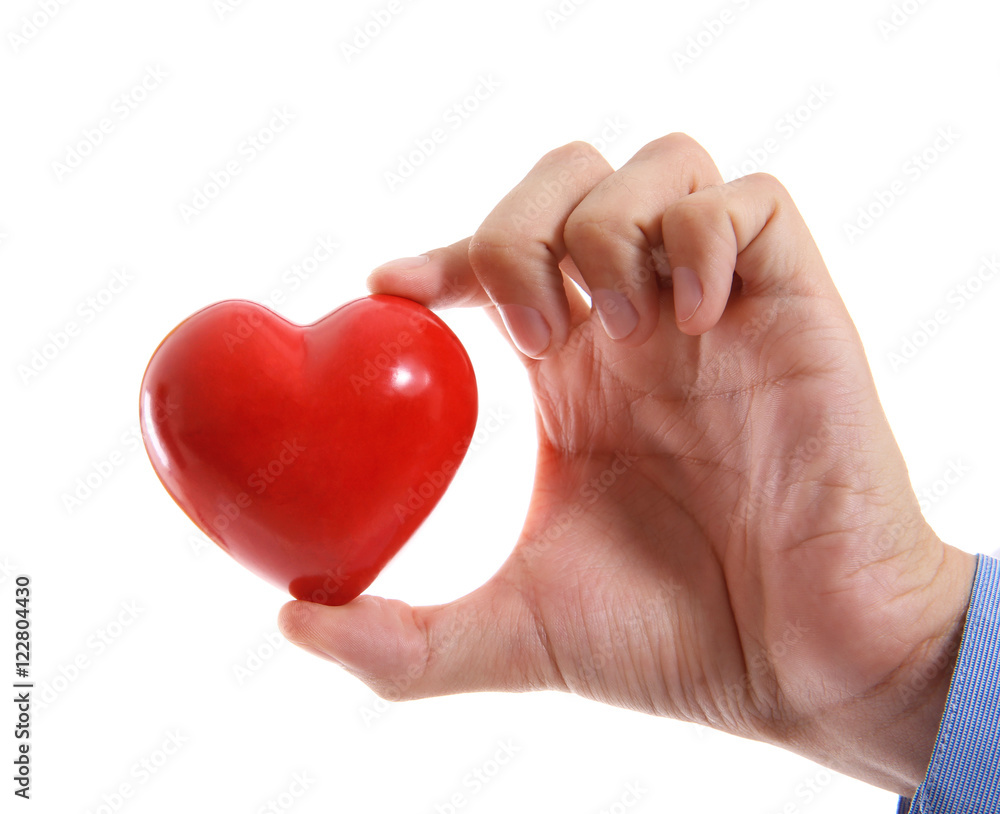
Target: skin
[{"x": 722, "y": 528}]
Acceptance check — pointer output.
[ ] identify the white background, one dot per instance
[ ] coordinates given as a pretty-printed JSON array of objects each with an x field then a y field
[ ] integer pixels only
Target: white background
[{"x": 172, "y": 669}]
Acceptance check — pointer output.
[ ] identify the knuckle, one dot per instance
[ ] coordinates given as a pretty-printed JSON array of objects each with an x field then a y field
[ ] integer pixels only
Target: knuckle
[
  {"x": 700, "y": 223},
  {"x": 767, "y": 182},
  {"x": 679, "y": 141},
  {"x": 588, "y": 233},
  {"x": 490, "y": 249},
  {"x": 575, "y": 152},
  {"x": 676, "y": 142},
  {"x": 581, "y": 231},
  {"x": 690, "y": 215},
  {"x": 686, "y": 155}
]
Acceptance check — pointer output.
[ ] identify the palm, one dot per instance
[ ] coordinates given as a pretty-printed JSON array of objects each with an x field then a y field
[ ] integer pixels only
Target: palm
[{"x": 653, "y": 506}]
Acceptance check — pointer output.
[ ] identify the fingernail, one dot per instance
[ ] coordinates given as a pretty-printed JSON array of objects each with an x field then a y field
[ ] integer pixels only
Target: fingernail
[
  {"x": 527, "y": 327},
  {"x": 403, "y": 263},
  {"x": 617, "y": 314},
  {"x": 688, "y": 293}
]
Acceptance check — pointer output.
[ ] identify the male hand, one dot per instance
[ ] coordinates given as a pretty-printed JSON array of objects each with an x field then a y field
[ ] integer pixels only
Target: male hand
[{"x": 722, "y": 528}]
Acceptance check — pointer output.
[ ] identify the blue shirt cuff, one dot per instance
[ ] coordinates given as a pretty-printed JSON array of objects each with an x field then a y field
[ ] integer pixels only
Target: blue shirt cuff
[{"x": 964, "y": 773}]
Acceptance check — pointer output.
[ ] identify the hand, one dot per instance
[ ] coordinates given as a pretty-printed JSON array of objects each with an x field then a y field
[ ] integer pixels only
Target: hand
[{"x": 722, "y": 528}]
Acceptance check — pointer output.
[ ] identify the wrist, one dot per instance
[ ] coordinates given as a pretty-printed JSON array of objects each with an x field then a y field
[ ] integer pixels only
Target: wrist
[{"x": 886, "y": 736}]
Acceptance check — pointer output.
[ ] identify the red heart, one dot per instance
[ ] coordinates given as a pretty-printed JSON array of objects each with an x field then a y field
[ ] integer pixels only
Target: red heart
[{"x": 310, "y": 453}]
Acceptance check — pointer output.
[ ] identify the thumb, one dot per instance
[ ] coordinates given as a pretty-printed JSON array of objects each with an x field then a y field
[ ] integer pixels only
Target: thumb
[
  {"x": 487, "y": 640},
  {"x": 444, "y": 279}
]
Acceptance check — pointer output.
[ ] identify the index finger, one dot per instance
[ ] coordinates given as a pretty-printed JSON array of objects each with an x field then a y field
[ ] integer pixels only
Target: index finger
[{"x": 513, "y": 260}]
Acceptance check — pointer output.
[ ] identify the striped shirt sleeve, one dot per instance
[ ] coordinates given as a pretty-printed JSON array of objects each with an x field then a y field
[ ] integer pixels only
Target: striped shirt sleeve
[{"x": 964, "y": 773}]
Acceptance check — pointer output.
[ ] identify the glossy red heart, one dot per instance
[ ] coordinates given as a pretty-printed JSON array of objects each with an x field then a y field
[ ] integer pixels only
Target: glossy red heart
[{"x": 309, "y": 453}]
